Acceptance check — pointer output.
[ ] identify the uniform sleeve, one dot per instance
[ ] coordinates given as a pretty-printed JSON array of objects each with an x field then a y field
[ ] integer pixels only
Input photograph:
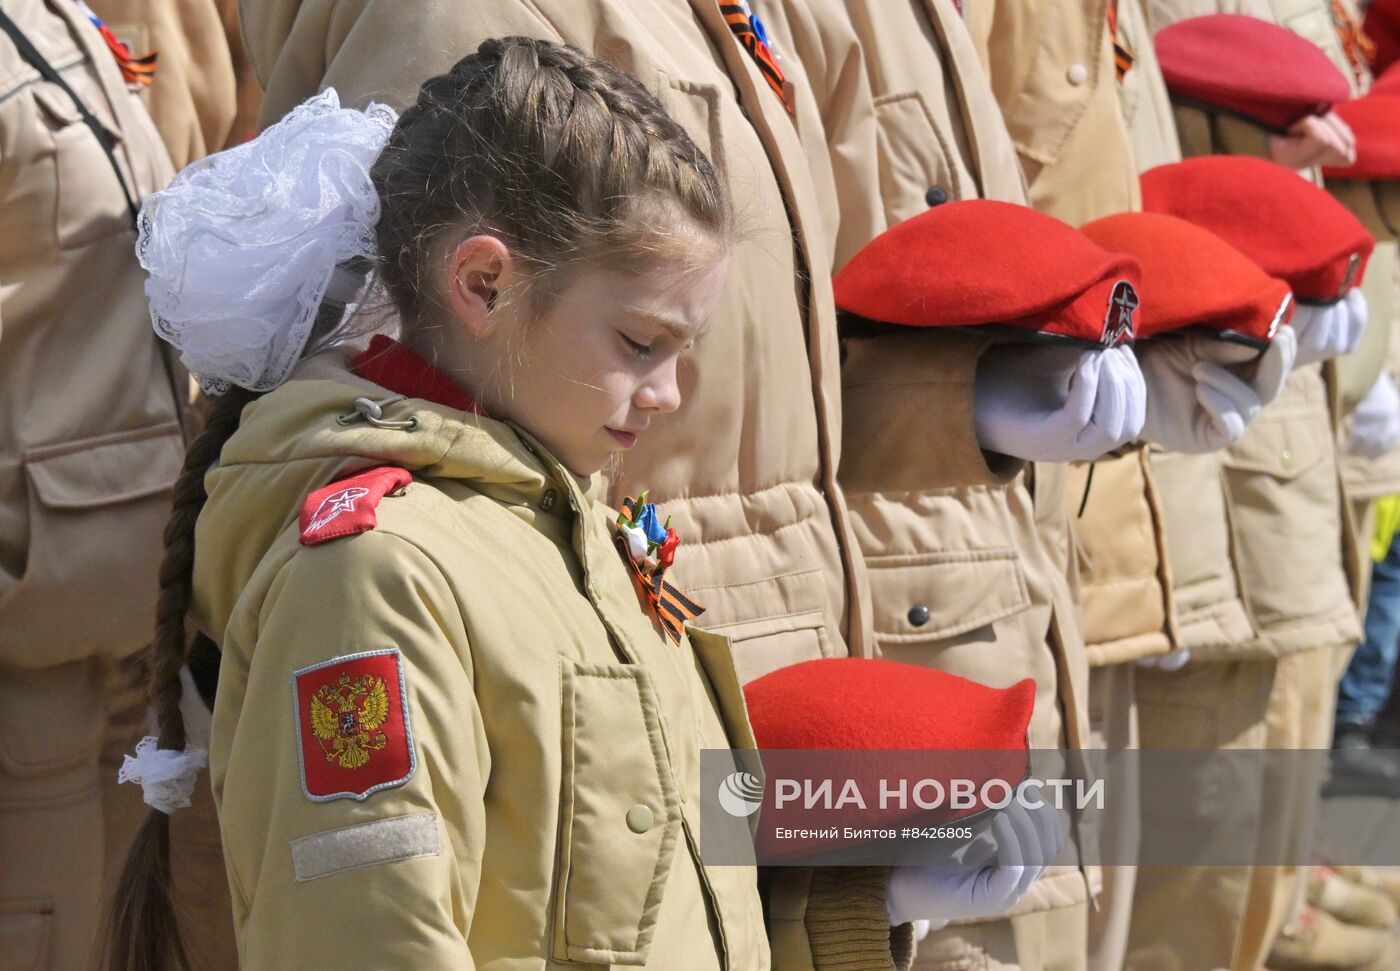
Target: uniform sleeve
[
  {"x": 908, "y": 420},
  {"x": 367, "y": 49},
  {"x": 385, "y": 873},
  {"x": 841, "y": 137},
  {"x": 831, "y": 918}
]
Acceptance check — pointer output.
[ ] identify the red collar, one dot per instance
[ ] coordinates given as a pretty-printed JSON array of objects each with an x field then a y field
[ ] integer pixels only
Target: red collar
[{"x": 392, "y": 365}]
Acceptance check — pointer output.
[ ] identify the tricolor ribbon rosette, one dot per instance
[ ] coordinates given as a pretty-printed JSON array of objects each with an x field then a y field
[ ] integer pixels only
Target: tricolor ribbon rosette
[{"x": 649, "y": 549}]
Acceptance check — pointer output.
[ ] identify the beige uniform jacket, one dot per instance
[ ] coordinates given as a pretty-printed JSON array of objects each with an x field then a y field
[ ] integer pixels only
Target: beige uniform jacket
[
  {"x": 550, "y": 813},
  {"x": 90, "y": 440},
  {"x": 748, "y": 467},
  {"x": 1293, "y": 532},
  {"x": 964, "y": 575},
  {"x": 1051, "y": 68},
  {"x": 1207, "y": 615},
  {"x": 194, "y": 97}
]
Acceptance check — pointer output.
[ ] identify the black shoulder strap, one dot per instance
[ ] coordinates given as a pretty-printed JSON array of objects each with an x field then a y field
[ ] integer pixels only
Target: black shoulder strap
[{"x": 46, "y": 70}]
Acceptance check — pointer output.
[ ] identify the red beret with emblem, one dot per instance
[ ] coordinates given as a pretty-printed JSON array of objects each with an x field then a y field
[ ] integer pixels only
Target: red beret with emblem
[
  {"x": 1376, "y": 121},
  {"x": 1248, "y": 67},
  {"x": 1382, "y": 25},
  {"x": 859, "y": 714},
  {"x": 981, "y": 263},
  {"x": 1387, "y": 83},
  {"x": 1193, "y": 279},
  {"x": 1291, "y": 228}
]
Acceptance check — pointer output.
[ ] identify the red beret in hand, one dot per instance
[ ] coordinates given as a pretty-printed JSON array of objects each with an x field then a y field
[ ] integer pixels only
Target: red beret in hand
[
  {"x": 1248, "y": 67},
  {"x": 1292, "y": 229},
  {"x": 1382, "y": 25},
  {"x": 1376, "y": 121},
  {"x": 1387, "y": 83},
  {"x": 984, "y": 263},
  {"x": 1193, "y": 279},
  {"x": 876, "y": 721}
]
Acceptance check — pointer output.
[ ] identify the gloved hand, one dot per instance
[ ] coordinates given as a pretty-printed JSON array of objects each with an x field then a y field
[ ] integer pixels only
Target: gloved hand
[
  {"x": 1315, "y": 140},
  {"x": 1026, "y": 839},
  {"x": 1375, "y": 424},
  {"x": 1058, "y": 404},
  {"x": 1201, "y": 393},
  {"x": 1171, "y": 661},
  {"x": 1330, "y": 331}
]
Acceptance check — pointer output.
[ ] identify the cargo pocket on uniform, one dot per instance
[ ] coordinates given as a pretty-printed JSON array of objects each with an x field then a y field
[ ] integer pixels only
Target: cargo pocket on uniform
[
  {"x": 25, "y": 926},
  {"x": 619, "y": 819},
  {"x": 913, "y": 155},
  {"x": 912, "y": 598},
  {"x": 82, "y": 214},
  {"x": 1282, "y": 464},
  {"x": 97, "y": 509}
]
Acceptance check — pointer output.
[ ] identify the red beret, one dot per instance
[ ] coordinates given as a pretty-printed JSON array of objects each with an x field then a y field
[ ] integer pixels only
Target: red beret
[
  {"x": 1376, "y": 121},
  {"x": 1387, "y": 83},
  {"x": 980, "y": 262},
  {"x": 1292, "y": 229},
  {"x": 1194, "y": 279},
  {"x": 1248, "y": 67},
  {"x": 1382, "y": 25},
  {"x": 853, "y": 710}
]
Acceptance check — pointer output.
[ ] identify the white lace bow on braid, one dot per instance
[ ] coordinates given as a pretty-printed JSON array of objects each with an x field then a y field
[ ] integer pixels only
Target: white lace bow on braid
[{"x": 243, "y": 245}]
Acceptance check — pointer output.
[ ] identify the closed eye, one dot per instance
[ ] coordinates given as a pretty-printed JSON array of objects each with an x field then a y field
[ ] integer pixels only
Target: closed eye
[{"x": 635, "y": 348}]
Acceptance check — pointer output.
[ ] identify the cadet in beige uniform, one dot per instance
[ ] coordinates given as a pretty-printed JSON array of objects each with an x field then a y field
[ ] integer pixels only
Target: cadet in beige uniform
[
  {"x": 90, "y": 442},
  {"x": 970, "y": 560}
]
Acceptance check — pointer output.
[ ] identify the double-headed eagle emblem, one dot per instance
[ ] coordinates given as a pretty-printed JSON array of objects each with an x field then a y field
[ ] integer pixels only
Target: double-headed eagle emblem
[{"x": 345, "y": 717}]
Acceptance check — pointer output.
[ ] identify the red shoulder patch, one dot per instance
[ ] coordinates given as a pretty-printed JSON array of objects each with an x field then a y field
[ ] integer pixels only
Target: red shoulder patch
[
  {"x": 347, "y": 507},
  {"x": 353, "y": 733}
]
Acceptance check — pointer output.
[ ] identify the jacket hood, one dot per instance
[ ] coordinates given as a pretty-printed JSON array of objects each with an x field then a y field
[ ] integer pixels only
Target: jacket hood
[{"x": 309, "y": 433}]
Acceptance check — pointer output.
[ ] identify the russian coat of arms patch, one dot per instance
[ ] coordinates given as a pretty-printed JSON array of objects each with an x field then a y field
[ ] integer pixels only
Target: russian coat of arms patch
[{"x": 353, "y": 730}]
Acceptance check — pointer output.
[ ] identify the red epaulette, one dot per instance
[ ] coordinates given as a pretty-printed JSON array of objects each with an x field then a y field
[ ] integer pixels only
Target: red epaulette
[{"x": 346, "y": 507}]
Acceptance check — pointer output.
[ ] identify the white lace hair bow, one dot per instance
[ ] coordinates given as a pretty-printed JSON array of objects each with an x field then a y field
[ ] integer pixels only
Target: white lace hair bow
[
  {"x": 166, "y": 776},
  {"x": 242, "y": 246}
]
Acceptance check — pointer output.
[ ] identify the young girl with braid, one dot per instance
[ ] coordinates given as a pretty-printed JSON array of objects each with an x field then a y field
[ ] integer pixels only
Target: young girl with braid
[{"x": 458, "y": 721}]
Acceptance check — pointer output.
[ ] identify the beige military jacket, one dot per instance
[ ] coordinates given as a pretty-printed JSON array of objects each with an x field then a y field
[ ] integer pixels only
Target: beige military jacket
[
  {"x": 1300, "y": 565},
  {"x": 1207, "y": 616},
  {"x": 194, "y": 98},
  {"x": 90, "y": 438},
  {"x": 1051, "y": 67},
  {"x": 964, "y": 577},
  {"x": 548, "y": 809},
  {"x": 748, "y": 468}
]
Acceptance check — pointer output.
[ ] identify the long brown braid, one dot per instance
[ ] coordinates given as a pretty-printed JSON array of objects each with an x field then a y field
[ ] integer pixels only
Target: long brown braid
[{"x": 143, "y": 932}]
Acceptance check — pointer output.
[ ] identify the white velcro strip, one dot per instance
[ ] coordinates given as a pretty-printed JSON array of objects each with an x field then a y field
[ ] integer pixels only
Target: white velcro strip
[{"x": 365, "y": 844}]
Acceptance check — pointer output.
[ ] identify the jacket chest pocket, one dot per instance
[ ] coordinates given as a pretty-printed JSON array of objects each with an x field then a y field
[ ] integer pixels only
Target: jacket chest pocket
[
  {"x": 1285, "y": 504},
  {"x": 915, "y": 156},
  {"x": 619, "y": 818},
  {"x": 89, "y": 203}
]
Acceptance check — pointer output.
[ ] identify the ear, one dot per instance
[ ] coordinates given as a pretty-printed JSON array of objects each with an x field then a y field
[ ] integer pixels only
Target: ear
[{"x": 477, "y": 270}]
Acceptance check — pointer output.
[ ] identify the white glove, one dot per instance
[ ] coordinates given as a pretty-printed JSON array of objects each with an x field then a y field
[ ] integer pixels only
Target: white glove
[
  {"x": 1332, "y": 330},
  {"x": 1058, "y": 404},
  {"x": 1375, "y": 424},
  {"x": 1201, "y": 392},
  {"x": 1026, "y": 840},
  {"x": 1171, "y": 661}
]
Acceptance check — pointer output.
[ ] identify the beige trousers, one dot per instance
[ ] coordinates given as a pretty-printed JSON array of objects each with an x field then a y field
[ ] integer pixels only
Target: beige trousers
[
  {"x": 1190, "y": 918},
  {"x": 1299, "y": 717},
  {"x": 1049, "y": 940},
  {"x": 1113, "y": 724},
  {"x": 65, "y": 824}
]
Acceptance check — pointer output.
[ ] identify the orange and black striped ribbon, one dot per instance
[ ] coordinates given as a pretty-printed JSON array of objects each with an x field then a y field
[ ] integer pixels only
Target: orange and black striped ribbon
[
  {"x": 672, "y": 608},
  {"x": 740, "y": 27},
  {"x": 1359, "y": 49},
  {"x": 1123, "y": 56}
]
